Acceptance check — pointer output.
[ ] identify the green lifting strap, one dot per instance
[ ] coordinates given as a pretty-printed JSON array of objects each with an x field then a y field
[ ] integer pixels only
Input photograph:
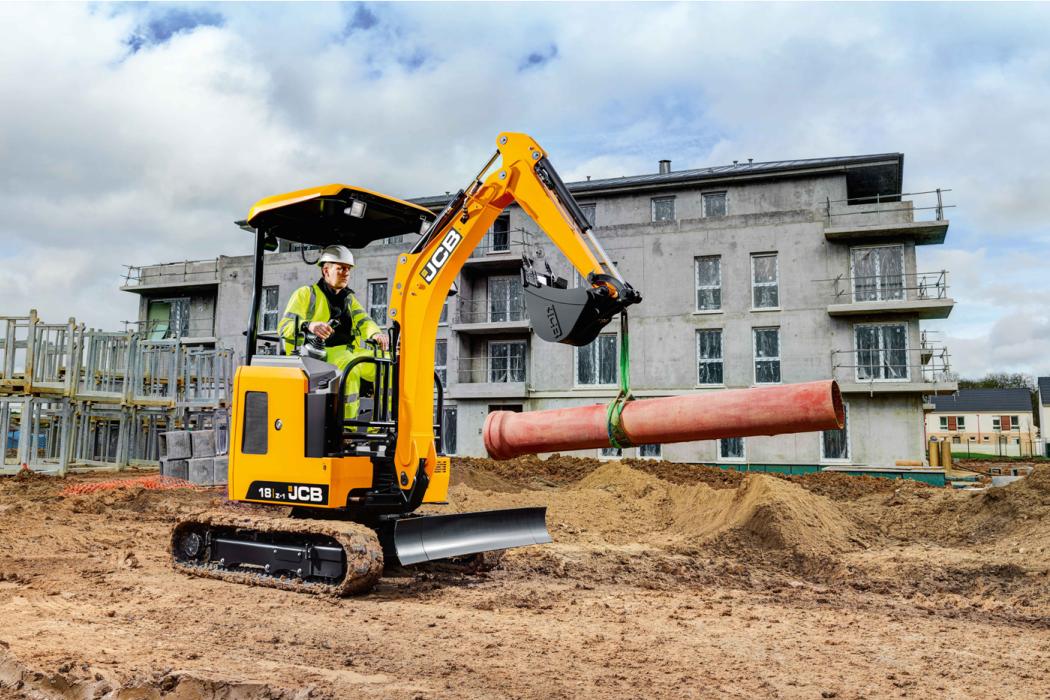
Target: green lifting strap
[{"x": 617, "y": 436}]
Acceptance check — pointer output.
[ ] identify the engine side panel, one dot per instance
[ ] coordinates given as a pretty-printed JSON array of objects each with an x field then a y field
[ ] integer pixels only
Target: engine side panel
[{"x": 268, "y": 445}]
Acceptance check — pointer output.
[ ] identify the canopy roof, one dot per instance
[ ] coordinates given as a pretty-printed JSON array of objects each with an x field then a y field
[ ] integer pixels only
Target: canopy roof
[{"x": 320, "y": 216}]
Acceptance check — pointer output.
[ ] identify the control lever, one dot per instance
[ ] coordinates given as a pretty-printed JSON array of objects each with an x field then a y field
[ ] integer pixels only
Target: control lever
[{"x": 313, "y": 344}]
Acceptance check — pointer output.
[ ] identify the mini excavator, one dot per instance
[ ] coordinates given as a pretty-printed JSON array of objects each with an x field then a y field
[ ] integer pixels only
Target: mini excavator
[{"x": 353, "y": 486}]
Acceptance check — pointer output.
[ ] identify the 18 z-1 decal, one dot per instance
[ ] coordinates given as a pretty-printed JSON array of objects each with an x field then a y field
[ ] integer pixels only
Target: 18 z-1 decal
[
  {"x": 440, "y": 255},
  {"x": 312, "y": 494}
]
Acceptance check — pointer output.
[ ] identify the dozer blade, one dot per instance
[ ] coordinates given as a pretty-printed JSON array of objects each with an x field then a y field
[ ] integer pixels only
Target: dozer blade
[{"x": 433, "y": 537}]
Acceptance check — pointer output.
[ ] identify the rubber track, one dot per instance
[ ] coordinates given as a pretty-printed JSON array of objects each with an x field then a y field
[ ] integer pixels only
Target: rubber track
[{"x": 364, "y": 555}]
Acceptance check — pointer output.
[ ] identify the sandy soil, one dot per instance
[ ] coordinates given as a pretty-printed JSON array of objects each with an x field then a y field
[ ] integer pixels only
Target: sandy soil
[{"x": 664, "y": 580}]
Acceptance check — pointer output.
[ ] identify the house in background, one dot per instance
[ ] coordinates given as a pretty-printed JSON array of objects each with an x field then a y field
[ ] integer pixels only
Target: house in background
[
  {"x": 1043, "y": 384},
  {"x": 986, "y": 421}
]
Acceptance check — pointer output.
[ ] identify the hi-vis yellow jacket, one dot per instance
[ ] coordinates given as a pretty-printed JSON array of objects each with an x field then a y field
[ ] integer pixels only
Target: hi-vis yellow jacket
[{"x": 310, "y": 304}]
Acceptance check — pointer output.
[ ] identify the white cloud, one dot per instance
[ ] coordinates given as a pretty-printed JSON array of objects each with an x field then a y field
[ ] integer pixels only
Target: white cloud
[{"x": 111, "y": 157}]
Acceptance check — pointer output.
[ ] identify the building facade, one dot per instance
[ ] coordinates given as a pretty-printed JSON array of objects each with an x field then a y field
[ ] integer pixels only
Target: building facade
[
  {"x": 751, "y": 274},
  {"x": 986, "y": 421}
]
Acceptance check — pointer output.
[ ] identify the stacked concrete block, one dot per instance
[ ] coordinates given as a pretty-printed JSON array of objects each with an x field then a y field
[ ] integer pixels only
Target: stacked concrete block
[
  {"x": 203, "y": 442},
  {"x": 201, "y": 470},
  {"x": 175, "y": 452},
  {"x": 221, "y": 467}
]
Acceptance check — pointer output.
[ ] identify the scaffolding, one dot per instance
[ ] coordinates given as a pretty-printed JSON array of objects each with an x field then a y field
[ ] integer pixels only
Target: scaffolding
[{"x": 74, "y": 398}]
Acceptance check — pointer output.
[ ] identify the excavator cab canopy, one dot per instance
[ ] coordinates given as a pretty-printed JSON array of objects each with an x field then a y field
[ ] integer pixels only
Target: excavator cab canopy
[{"x": 336, "y": 215}]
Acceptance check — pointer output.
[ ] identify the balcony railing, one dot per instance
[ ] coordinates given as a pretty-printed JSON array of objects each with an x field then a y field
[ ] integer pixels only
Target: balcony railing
[
  {"x": 919, "y": 286},
  {"x": 165, "y": 329},
  {"x": 495, "y": 369},
  {"x": 186, "y": 273},
  {"x": 889, "y": 207},
  {"x": 490, "y": 311},
  {"x": 928, "y": 363},
  {"x": 510, "y": 242}
]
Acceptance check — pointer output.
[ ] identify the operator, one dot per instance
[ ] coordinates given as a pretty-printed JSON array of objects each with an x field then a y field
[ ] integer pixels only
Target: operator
[{"x": 330, "y": 302}]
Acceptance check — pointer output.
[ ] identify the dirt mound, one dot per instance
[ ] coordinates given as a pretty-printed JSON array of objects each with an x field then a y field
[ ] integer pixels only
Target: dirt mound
[{"x": 763, "y": 511}]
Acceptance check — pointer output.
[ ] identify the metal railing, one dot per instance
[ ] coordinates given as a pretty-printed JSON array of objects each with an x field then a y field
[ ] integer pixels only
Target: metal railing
[
  {"x": 490, "y": 311},
  {"x": 879, "y": 204},
  {"x": 185, "y": 272},
  {"x": 510, "y": 242},
  {"x": 927, "y": 363},
  {"x": 916, "y": 286},
  {"x": 159, "y": 329},
  {"x": 493, "y": 369}
]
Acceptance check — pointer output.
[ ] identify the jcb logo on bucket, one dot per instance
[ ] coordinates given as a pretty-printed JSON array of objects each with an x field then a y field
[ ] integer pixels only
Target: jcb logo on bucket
[
  {"x": 288, "y": 493},
  {"x": 441, "y": 255}
]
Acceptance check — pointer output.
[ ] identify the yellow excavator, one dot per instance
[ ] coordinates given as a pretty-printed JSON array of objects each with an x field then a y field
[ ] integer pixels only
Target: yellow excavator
[{"x": 353, "y": 486}]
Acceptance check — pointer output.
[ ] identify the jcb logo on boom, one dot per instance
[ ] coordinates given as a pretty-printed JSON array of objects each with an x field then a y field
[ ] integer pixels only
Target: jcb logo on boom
[
  {"x": 441, "y": 255},
  {"x": 310, "y": 494}
]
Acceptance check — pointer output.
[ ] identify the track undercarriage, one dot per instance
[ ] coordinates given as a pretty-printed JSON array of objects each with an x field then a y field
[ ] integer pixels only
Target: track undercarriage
[
  {"x": 328, "y": 556},
  {"x": 324, "y": 557}
]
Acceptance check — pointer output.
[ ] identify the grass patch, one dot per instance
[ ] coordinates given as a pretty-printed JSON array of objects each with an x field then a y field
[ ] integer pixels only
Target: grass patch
[{"x": 997, "y": 458}]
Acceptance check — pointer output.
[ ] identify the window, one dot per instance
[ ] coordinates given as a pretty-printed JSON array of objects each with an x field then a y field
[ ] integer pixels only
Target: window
[
  {"x": 589, "y": 211},
  {"x": 650, "y": 451},
  {"x": 663, "y": 208},
  {"x": 443, "y": 319},
  {"x": 960, "y": 422},
  {"x": 944, "y": 422},
  {"x": 764, "y": 285},
  {"x": 997, "y": 423},
  {"x": 270, "y": 311},
  {"x": 956, "y": 440},
  {"x": 731, "y": 449},
  {"x": 377, "y": 300},
  {"x": 611, "y": 452},
  {"x": 878, "y": 273},
  {"x": 448, "y": 430},
  {"x": 596, "y": 362},
  {"x": 168, "y": 318},
  {"x": 441, "y": 360},
  {"x": 499, "y": 235},
  {"x": 714, "y": 204},
  {"x": 834, "y": 444},
  {"x": 506, "y": 299},
  {"x": 882, "y": 352},
  {"x": 709, "y": 356},
  {"x": 767, "y": 355},
  {"x": 507, "y": 361},
  {"x": 394, "y": 239},
  {"x": 708, "y": 283}
]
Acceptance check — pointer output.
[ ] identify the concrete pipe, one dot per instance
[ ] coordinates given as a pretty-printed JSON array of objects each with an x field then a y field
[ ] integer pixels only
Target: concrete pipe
[{"x": 768, "y": 410}]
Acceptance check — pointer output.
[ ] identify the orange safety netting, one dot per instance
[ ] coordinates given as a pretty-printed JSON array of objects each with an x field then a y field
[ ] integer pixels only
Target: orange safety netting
[{"x": 156, "y": 483}]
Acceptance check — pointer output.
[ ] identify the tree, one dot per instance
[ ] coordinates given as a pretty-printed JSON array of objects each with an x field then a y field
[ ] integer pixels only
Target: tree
[{"x": 999, "y": 380}]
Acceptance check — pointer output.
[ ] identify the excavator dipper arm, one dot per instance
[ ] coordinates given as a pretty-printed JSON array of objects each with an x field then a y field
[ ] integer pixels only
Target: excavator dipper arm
[{"x": 424, "y": 277}]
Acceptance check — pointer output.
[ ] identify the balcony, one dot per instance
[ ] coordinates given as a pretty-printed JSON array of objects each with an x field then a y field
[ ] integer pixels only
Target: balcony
[
  {"x": 923, "y": 295},
  {"x": 489, "y": 317},
  {"x": 890, "y": 218},
  {"x": 501, "y": 251},
  {"x": 184, "y": 276},
  {"x": 497, "y": 375},
  {"x": 922, "y": 370}
]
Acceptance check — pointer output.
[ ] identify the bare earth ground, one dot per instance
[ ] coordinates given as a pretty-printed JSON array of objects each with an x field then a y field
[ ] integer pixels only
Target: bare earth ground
[{"x": 664, "y": 580}]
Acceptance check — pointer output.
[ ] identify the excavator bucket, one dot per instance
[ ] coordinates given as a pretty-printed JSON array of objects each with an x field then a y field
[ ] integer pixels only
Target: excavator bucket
[
  {"x": 572, "y": 316},
  {"x": 433, "y": 537}
]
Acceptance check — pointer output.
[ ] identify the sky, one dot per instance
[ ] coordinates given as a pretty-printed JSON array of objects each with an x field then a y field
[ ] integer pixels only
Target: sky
[{"x": 136, "y": 133}]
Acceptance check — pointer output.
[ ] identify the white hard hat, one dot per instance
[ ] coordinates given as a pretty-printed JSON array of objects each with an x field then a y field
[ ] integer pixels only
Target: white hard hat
[{"x": 336, "y": 254}]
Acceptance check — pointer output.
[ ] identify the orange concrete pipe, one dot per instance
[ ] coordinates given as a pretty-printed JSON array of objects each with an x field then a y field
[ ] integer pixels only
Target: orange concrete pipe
[{"x": 768, "y": 410}]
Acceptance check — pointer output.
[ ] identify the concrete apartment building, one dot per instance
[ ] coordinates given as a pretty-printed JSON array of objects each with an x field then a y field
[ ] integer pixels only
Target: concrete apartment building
[
  {"x": 986, "y": 421},
  {"x": 751, "y": 274}
]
